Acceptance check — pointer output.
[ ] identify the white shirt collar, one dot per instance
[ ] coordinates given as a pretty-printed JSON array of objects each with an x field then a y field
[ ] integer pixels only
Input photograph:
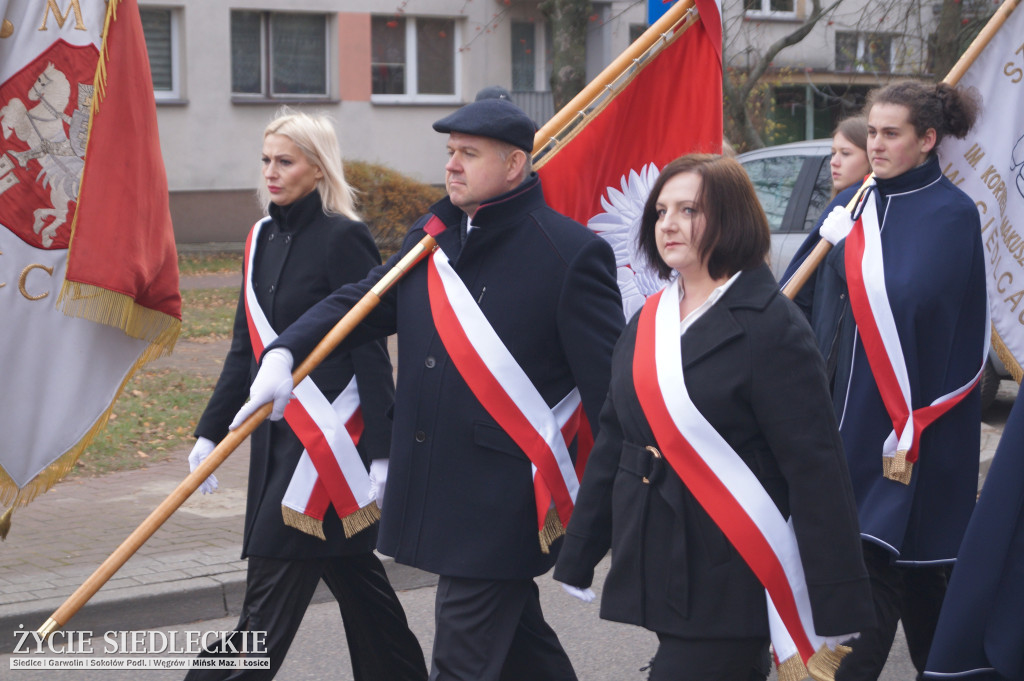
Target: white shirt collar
[{"x": 706, "y": 305}]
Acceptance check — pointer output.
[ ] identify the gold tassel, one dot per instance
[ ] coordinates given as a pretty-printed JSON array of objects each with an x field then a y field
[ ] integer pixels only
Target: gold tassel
[
  {"x": 5, "y": 523},
  {"x": 792, "y": 669},
  {"x": 551, "y": 531},
  {"x": 897, "y": 467},
  {"x": 1006, "y": 356},
  {"x": 303, "y": 523},
  {"x": 823, "y": 664},
  {"x": 365, "y": 517}
]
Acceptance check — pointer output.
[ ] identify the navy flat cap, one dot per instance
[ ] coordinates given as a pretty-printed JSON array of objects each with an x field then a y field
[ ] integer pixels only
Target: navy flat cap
[{"x": 498, "y": 119}]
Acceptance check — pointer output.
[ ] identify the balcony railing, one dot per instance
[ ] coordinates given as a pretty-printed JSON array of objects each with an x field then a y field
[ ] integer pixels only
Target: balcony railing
[{"x": 540, "y": 106}]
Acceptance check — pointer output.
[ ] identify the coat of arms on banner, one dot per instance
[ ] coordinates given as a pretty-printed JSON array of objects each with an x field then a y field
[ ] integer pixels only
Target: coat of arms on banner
[
  {"x": 619, "y": 225},
  {"x": 44, "y": 126}
]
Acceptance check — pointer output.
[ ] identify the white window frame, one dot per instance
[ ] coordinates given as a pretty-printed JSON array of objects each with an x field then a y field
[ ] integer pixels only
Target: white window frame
[
  {"x": 412, "y": 95},
  {"x": 266, "y": 61},
  {"x": 175, "y": 93},
  {"x": 767, "y": 12}
]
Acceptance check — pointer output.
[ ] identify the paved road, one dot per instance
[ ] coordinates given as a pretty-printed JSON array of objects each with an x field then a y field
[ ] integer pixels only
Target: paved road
[{"x": 600, "y": 650}]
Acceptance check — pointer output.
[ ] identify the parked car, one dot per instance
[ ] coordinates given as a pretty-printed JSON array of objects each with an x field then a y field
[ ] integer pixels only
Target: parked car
[{"x": 794, "y": 184}]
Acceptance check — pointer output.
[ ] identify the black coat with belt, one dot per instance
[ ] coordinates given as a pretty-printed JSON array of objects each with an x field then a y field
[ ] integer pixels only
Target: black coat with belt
[
  {"x": 752, "y": 369},
  {"x": 459, "y": 498},
  {"x": 301, "y": 256}
]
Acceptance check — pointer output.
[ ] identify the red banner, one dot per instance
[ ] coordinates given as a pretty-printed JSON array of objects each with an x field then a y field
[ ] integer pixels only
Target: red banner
[{"x": 672, "y": 107}]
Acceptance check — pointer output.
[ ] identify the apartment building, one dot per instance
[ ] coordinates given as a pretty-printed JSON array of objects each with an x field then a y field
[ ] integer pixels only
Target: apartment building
[{"x": 384, "y": 70}]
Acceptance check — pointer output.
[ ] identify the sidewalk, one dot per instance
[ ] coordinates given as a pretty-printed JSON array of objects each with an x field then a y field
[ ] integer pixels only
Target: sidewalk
[{"x": 190, "y": 569}]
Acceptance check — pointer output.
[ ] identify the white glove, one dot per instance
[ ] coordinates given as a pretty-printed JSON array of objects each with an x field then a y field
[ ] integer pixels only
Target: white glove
[
  {"x": 837, "y": 225},
  {"x": 378, "y": 478},
  {"x": 200, "y": 451},
  {"x": 585, "y": 595},
  {"x": 273, "y": 383}
]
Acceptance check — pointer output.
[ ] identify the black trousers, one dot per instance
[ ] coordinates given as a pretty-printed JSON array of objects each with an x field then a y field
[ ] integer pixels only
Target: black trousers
[
  {"x": 724, "y": 659},
  {"x": 277, "y": 593},
  {"x": 494, "y": 631},
  {"x": 911, "y": 594}
]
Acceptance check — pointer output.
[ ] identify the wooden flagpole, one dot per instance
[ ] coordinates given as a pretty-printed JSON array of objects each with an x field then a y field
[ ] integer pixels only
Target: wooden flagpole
[
  {"x": 817, "y": 255},
  {"x": 613, "y": 77},
  {"x": 234, "y": 438}
]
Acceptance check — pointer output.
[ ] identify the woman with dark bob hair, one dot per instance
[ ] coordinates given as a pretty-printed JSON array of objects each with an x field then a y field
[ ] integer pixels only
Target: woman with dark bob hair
[{"x": 718, "y": 472}]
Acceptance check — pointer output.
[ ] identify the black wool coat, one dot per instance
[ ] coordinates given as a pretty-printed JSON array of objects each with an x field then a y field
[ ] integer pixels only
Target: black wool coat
[
  {"x": 752, "y": 369},
  {"x": 460, "y": 496},
  {"x": 301, "y": 256}
]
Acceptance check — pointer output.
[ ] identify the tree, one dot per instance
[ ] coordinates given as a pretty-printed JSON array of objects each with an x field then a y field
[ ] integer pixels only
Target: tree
[
  {"x": 741, "y": 86},
  {"x": 904, "y": 38},
  {"x": 568, "y": 20}
]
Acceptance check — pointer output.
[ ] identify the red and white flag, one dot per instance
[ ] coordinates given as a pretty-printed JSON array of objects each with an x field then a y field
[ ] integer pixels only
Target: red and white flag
[
  {"x": 88, "y": 269},
  {"x": 672, "y": 106}
]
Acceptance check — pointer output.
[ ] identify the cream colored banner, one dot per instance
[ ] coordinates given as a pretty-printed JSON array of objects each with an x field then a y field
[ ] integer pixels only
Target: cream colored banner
[{"x": 989, "y": 165}]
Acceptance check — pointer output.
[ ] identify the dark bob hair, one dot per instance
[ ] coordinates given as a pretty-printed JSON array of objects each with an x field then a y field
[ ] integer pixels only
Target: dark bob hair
[{"x": 736, "y": 234}]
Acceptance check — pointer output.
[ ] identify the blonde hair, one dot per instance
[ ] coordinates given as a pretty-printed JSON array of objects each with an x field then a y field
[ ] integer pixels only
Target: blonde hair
[{"x": 315, "y": 136}]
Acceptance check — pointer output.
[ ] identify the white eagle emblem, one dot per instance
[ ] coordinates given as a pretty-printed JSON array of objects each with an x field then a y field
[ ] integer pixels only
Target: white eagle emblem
[
  {"x": 619, "y": 226},
  {"x": 61, "y": 155}
]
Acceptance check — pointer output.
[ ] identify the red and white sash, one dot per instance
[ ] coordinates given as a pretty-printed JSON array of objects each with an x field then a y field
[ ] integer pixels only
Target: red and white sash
[
  {"x": 727, "y": 489},
  {"x": 869, "y": 300},
  {"x": 330, "y": 470},
  {"x": 505, "y": 391}
]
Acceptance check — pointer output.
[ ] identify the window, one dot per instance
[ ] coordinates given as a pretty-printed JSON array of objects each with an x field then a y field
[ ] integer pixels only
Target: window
[
  {"x": 279, "y": 54},
  {"x": 524, "y": 56},
  {"x": 773, "y": 179},
  {"x": 160, "y": 28},
  {"x": 782, "y": 8},
  {"x": 414, "y": 59},
  {"x": 863, "y": 52}
]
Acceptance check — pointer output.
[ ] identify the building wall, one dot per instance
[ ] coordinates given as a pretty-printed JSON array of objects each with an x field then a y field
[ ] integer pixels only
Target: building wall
[{"x": 211, "y": 140}]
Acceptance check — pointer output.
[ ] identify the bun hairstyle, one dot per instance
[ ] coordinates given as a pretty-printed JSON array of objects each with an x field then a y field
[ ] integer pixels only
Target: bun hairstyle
[{"x": 945, "y": 109}]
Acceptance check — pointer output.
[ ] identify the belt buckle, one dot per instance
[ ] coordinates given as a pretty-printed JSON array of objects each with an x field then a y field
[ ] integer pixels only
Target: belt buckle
[{"x": 656, "y": 455}]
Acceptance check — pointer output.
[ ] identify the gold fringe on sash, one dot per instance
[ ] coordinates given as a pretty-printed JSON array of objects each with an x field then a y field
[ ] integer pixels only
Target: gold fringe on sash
[
  {"x": 303, "y": 523},
  {"x": 353, "y": 523},
  {"x": 791, "y": 669},
  {"x": 551, "y": 531},
  {"x": 897, "y": 467},
  {"x": 823, "y": 664},
  {"x": 365, "y": 517}
]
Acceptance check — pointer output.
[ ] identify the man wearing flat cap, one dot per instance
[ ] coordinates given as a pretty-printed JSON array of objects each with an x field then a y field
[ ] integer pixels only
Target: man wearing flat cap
[{"x": 505, "y": 338}]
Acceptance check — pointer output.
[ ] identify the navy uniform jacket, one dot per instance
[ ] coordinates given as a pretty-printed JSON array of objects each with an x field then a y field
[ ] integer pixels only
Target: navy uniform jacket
[
  {"x": 980, "y": 634},
  {"x": 752, "y": 370},
  {"x": 460, "y": 496},
  {"x": 935, "y": 278},
  {"x": 302, "y": 255}
]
